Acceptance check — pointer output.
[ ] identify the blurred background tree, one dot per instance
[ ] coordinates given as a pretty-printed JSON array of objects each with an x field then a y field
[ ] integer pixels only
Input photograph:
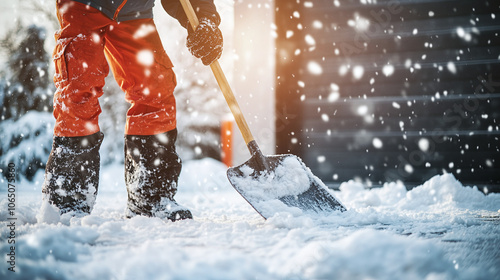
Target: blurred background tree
[{"x": 26, "y": 100}]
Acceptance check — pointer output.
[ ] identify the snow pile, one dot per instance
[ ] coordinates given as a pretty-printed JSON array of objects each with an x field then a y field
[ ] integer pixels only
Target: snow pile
[
  {"x": 439, "y": 230},
  {"x": 440, "y": 193},
  {"x": 445, "y": 191}
]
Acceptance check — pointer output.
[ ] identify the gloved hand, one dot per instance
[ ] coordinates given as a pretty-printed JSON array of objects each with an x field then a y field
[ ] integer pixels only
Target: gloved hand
[{"x": 205, "y": 42}]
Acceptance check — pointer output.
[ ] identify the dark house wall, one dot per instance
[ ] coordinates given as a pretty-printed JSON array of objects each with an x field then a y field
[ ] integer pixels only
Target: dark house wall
[{"x": 412, "y": 94}]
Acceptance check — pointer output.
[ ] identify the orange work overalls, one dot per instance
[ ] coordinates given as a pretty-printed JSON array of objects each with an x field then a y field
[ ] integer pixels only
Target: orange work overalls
[{"x": 86, "y": 43}]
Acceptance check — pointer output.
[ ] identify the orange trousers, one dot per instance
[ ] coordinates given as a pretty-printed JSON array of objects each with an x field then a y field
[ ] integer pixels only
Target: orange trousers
[{"x": 87, "y": 44}]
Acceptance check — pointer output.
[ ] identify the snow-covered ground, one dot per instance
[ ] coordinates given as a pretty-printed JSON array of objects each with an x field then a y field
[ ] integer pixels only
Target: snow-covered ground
[{"x": 439, "y": 230}]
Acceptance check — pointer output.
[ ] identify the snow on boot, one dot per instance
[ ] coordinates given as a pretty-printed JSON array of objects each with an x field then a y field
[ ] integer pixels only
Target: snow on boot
[
  {"x": 152, "y": 169},
  {"x": 72, "y": 173}
]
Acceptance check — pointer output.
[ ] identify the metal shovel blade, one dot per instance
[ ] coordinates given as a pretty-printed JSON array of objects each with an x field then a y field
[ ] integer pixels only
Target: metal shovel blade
[{"x": 273, "y": 184}]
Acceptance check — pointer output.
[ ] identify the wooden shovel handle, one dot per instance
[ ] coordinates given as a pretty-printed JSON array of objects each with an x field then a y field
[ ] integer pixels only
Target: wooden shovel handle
[{"x": 221, "y": 80}]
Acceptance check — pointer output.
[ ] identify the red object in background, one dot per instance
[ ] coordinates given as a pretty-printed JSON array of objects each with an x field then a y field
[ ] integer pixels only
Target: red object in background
[{"x": 226, "y": 136}]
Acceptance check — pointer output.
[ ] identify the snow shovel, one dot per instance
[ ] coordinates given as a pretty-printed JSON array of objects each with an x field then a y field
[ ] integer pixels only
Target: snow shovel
[{"x": 271, "y": 184}]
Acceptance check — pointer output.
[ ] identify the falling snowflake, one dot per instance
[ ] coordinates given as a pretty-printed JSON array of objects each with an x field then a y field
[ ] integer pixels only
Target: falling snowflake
[
  {"x": 358, "y": 71},
  {"x": 388, "y": 70},
  {"x": 145, "y": 57},
  {"x": 362, "y": 110},
  {"x": 314, "y": 68},
  {"x": 423, "y": 144},
  {"x": 451, "y": 67},
  {"x": 377, "y": 143}
]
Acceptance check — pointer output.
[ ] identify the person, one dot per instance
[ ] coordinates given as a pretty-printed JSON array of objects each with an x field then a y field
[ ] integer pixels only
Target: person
[{"x": 96, "y": 35}]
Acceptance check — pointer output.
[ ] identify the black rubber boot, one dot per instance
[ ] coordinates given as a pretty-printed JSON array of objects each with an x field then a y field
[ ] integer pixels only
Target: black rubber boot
[
  {"x": 72, "y": 173},
  {"x": 152, "y": 169}
]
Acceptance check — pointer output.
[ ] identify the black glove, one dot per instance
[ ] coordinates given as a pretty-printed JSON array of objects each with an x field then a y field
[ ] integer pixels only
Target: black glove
[{"x": 206, "y": 41}]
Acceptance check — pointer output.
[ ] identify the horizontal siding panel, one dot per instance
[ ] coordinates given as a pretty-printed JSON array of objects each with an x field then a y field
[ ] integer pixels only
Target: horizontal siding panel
[{"x": 444, "y": 87}]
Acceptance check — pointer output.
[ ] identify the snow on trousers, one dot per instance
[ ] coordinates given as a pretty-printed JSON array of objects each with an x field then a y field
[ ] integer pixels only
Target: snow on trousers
[{"x": 85, "y": 44}]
